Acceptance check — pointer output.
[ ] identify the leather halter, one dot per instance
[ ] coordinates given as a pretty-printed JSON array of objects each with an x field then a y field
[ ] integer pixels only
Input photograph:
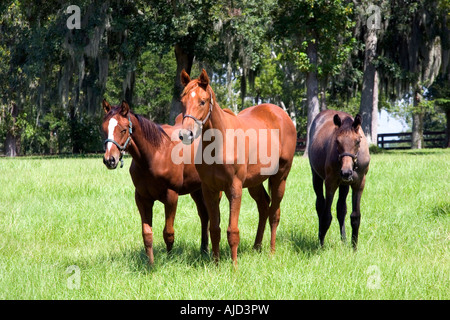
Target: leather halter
[
  {"x": 351, "y": 155},
  {"x": 124, "y": 146}
]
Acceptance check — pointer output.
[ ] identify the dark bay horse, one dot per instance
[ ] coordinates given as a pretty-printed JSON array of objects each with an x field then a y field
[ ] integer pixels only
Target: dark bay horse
[
  {"x": 339, "y": 155},
  {"x": 154, "y": 175},
  {"x": 233, "y": 157}
]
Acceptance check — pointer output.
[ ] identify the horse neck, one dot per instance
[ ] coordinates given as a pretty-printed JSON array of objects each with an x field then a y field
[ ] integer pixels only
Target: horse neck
[
  {"x": 141, "y": 149},
  {"x": 217, "y": 119}
]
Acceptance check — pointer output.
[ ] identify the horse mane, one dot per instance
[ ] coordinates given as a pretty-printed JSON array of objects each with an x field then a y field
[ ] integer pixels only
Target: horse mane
[{"x": 152, "y": 132}]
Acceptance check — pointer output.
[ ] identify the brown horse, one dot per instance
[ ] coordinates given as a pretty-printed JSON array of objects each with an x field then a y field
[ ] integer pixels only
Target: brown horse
[
  {"x": 154, "y": 175},
  {"x": 338, "y": 155},
  {"x": 233, "y": 157}
]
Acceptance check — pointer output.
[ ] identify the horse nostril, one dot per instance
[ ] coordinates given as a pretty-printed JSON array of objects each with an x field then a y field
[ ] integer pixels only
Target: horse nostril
[
  {"x": 186, "y": 136},
  {"x": 346, "y": 173}
]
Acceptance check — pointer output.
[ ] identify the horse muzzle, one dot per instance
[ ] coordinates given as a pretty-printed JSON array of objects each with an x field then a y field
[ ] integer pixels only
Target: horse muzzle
[
  {"x": 347, "y": 175},
  {"x": 110, "y": 162},
  {"x": 186, "y": 136}
]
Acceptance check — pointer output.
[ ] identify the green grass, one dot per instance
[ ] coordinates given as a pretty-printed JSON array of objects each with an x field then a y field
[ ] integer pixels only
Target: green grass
[{"x": 61, "y": 212}]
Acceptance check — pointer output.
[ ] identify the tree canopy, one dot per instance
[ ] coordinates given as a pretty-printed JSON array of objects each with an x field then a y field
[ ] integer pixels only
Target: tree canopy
[{"x": 303, "y": 55}]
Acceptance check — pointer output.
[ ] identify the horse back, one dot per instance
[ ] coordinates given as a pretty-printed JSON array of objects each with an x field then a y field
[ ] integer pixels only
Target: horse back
[{"x": 270, "y": 116}]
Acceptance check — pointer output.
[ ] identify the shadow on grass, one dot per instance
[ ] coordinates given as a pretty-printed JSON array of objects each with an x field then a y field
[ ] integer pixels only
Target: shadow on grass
[
  {"x": 133, "y": 259},
  {"x": 182, "y": 254},
  {"x": 189, "y": 255},
  {"x": 441, "y": 210},
  {"x": 301, "y": 242}
]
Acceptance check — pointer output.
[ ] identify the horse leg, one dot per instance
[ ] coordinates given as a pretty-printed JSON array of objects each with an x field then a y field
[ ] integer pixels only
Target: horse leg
[
  {"x": 262, "y": 199},
  {"x": 277, "y": 186},
  {"x": 212, "y": 199},
  {"x": 203, "y": 214},
  {"x": 341, "y": 209},
  {"x": 234, "y": 195},
  {"x": 170, "y": 209},
  {"x": 355, "y": 217},
  {"x": 325, "y": 219},
  {"x": 145, "y": 207},
  {"x": 320, "y": 200}
]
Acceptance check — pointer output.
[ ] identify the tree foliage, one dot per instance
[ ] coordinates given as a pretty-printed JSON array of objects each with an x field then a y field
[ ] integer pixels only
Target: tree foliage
[{"x": 52, "y": 78}]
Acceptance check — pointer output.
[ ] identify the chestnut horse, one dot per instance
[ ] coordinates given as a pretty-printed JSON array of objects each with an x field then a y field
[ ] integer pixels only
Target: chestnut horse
[
  {"x": 154, "y": 175},
  {"x": 339, "y": 155},
  {"x": 238, "y": 161}
]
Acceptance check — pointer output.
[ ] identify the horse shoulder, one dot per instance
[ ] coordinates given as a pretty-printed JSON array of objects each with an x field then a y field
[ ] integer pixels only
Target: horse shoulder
[{"x": 364, "y": 155}]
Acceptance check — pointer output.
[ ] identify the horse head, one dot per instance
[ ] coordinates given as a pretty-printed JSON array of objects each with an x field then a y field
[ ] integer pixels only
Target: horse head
[
  {"x": 197, "y": 100},
  {"x": 348, "y": 139},
  {"x": 117, "y": 127}
]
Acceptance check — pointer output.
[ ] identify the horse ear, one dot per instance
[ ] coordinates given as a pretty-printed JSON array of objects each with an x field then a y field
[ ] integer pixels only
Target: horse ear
[
  {"x": 203, "y": 78},
  {"x": 106, "y": 106},
  {"x": 185, "y": 79},
  {"x": 124, "y": 108},
  {"x": 357, "y": 123},
  {"x": 337, "y": 120}
]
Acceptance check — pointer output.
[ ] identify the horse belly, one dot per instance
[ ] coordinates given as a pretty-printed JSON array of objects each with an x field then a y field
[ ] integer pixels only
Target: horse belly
[
  {"x": 254, "y": 179},
  {"x": 191, "y": 180},
  {"x": 317, "y": 157}
]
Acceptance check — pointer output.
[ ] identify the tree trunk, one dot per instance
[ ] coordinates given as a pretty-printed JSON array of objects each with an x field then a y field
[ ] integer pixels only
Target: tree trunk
[
  {"x": 312, "y": 89},
  {"x": 323, "y": 87},
  {"x": 374, "y": 126},
  {"x": 447, "y": 129},
  {"x": 369, "y": 96},
  {"x": 184, "y": 61},
  {"x": 11, "y": 137},
  {"x": 417, "y": 126},
  {"x": 230, "y": 87},
  {"x": 128, "y": 85},
  {"x": 74, "y": 130},
  {"x": 229, "y": 52}
]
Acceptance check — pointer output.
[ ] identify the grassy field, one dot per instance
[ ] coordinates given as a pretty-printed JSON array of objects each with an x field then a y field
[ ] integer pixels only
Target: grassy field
[{"x": 70, "y": 230}]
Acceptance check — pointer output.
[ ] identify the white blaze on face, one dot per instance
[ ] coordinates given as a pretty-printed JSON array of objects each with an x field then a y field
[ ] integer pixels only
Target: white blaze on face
[
  {"x": 192, "y": 94},
  {"x": 111, "y": 126}
]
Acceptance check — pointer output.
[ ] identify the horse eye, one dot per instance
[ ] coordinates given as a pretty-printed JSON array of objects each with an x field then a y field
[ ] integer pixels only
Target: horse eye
[{"x": 202, "y": 103}]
